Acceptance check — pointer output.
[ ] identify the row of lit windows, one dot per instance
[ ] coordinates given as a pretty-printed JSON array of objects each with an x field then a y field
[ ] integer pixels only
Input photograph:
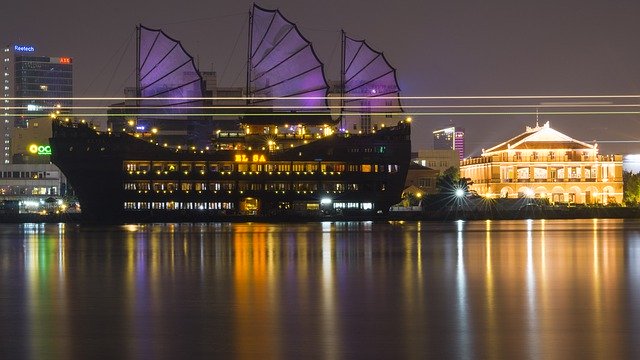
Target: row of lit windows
[
  {"x": 21, "y": 75},
  {"x": 46, "y": 79},
  {"x": 30, "y": 65},
  {"x": 243, "y": 186},
  {"x": 143, "y": 167},
  {"x": 64, "y": 103},
  {"x": 377, "y": 150},
  {"x": 201, "y": 167},
  {"x": 35, "y": 94},
  {"x": 38, "y": 86},
  {"x": 29, "y": 190},
  {"x": 28, "y": 175},
  {"x": 172, "y": 205},
  {"x": 353, "y": 205}
]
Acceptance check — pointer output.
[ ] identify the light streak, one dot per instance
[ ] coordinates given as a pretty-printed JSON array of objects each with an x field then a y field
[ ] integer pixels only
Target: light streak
[
  {"x": 490, "y": 97},
  {"x": 573, "y": 105},
  {"x": 304, "y": 114},
  {"x": 223, "y": 107}
]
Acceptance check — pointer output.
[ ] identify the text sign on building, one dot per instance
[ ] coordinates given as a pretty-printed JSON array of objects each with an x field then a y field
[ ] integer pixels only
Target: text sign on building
[
  {"x": 65, "y": 60},
  {"x": 24, "y": 48},
  {"x": 40, "y": 149},
  {"x": 247, "y": 158}
]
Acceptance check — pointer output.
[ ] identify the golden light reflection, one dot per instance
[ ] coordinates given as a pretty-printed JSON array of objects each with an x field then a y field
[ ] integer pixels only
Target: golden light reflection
[
  {"x": 464, "y": 340},
  {"x": 560, "y": 276},
  {"x": 492, "y": 313},
  {"x": 254, "y": 284},
  {"x": 329, "y": 324},
  {"x": 47, "y": 301}
]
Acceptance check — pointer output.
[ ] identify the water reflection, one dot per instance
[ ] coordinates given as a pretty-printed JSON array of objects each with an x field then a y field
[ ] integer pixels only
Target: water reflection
[{"x": 490, "y": 289}]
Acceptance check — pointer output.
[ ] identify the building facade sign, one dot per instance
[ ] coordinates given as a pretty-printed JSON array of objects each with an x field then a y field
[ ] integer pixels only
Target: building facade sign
[
  {"x": 24, "y": 48},
  {"x": 40, "y": 149}
]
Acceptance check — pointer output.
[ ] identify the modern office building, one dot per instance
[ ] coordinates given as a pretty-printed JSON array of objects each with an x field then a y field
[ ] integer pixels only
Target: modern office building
[
  {"x": 451, "y": 138},
  {"x": 544, "y": 163},
  {"x": 33, "y": 86}
]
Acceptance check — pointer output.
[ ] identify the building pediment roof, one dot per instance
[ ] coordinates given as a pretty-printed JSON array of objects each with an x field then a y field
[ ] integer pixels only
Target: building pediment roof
[{"x": 540, "y": 137}]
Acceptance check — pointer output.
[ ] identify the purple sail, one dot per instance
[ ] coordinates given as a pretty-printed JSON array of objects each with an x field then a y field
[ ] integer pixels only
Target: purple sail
[
  {"x": 284, "y": 64},
  {"x": 368, "y": 74},
  {"x": 168, "y": 76}
]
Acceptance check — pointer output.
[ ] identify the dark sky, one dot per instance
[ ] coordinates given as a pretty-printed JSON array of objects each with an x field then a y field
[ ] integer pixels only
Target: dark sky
[{"x": 440, "y": 48}]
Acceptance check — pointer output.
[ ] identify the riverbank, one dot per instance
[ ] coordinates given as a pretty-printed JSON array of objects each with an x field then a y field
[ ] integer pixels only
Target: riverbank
[{"x": 529, "y": 212}]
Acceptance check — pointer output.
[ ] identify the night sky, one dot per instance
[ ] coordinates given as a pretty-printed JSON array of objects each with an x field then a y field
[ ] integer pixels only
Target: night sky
[{"x": 443, "y": 48}]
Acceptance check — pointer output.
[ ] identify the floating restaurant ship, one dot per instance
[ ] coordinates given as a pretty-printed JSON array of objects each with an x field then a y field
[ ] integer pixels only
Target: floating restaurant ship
[{"x": 271, "y": 170}]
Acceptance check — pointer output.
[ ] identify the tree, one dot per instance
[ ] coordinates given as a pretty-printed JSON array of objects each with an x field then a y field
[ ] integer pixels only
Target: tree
[
  {"x": 450, "y": 181},
  {"x": 631, "y": 185}
]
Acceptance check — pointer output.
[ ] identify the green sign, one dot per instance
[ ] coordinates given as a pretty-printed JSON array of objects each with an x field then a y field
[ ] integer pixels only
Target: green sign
[{"x": 40, "y": 149}]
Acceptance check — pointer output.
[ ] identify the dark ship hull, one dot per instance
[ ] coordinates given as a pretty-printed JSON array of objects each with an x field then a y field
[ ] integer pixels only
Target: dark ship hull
[{"x": 119, "y": 178}]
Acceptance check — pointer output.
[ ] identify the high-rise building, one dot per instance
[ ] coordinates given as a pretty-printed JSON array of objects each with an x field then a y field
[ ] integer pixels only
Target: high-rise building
[
  {"x": 33, "y": 86},
  {"x": 451, "y": 138}
]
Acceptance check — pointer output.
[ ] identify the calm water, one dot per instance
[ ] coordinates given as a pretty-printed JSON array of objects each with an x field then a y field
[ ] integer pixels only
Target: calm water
[{"x": 485, "y": 290}]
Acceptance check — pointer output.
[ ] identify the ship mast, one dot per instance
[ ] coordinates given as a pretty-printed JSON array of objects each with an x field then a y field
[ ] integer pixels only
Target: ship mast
[
  {"x": 342, "y": 77},
  {"x": 138, "y": 90},
  {"x": 250, "y": 44}
]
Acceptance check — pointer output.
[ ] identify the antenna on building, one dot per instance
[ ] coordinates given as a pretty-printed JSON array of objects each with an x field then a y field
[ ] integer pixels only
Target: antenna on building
[{"x": 537, "y": 117}]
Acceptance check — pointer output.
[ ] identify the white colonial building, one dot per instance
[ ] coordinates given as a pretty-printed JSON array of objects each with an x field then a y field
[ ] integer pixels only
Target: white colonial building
[{"x": 544, "y": 163}]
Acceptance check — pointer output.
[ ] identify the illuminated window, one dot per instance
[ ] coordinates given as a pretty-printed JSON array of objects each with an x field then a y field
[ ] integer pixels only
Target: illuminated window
[
  {"x": 228, "y": 185},
  {"x": 366, "y": 168},
  {"x": 185, "y": 168}
]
